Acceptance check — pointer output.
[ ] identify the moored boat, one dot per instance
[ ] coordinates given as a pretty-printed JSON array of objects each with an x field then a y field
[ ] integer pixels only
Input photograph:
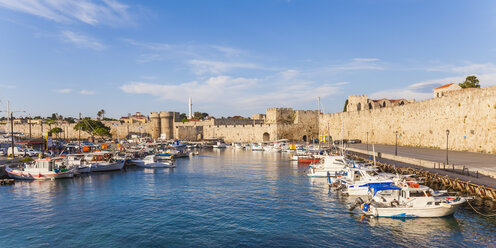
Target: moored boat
[
  {"x": 409, "y": 202},
  {"x": 154, "y": 161},
  {"x": 41, "y": 169}
]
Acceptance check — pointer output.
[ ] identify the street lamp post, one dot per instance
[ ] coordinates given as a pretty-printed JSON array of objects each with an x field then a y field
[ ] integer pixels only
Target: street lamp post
[
  {"x": 447, "y": 139},
  {"x": 367, "y": 142},
  {"x": 396, "y": 146}
]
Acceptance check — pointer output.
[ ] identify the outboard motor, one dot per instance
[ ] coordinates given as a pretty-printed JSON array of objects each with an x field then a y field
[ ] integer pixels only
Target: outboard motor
[{"x": 357, "y": 203}]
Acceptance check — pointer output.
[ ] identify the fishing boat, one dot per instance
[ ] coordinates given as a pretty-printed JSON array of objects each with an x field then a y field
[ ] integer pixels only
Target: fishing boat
[
  {"x": 328, "y": 166},
  {"x": 77, "y": 161},
  {"x": 219, "y": 145},
  {"x": 356, "y": 180},
  {"x": 154, "y": 161},
  {"x": 256, "y": 147},
  {"x": 308, "y": 159},
  {"x": 104, "y": 161},
  {"x": 410, "y": 201},
  {"x": 41, "y": 169}
]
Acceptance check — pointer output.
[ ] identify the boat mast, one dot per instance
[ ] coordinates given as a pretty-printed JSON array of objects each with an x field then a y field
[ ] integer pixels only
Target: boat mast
[
  {"x": 318, "y": 119},
  {"x": 342, "y": 135},
  {"x": 79, "y": 134}
]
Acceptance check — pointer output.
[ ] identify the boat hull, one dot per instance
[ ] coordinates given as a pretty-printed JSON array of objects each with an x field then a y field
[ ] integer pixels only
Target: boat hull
[
  {"x": 98, "y": 167},
  {"x": 23, "y": 175},
  {"x": 156, "y": 165},
  {"x": 406, "y": 212}
]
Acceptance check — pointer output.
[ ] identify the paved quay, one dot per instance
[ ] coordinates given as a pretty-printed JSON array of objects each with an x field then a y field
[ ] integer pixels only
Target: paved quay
[
  {"x": 472, "y": 160},
  {"x": 485, "y": 163}
]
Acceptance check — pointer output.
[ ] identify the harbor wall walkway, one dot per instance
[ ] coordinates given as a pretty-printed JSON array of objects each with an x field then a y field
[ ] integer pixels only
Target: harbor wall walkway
[
  {"x": 469, "y": 115},
  {"x": 485, "y": 164}
]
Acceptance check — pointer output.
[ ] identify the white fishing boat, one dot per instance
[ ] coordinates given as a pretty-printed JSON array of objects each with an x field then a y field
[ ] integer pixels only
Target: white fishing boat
[
  {"x": 270, "y": 148},
  {"x": 41, "y": 169},
  {"x": 356, "y": 181},
  {"x": 409, "y": 201},
  {"x": 154, "y": 161},
  {"x": 328, "y": 166},
  {"x": 256, "y": 147},
  {"x": 219, "y": 145},
  {"x": 77, "y": 161},
  {"x": 238, "y": 146},
  {"x": 103, "y": 161}
]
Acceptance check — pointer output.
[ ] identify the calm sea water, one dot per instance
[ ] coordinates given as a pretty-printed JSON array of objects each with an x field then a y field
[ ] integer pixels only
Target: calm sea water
[{"x": 219, "y": 199}]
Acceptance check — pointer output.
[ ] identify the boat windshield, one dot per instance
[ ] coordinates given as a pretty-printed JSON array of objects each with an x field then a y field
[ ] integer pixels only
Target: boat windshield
[{"x": 372, "y": 173}]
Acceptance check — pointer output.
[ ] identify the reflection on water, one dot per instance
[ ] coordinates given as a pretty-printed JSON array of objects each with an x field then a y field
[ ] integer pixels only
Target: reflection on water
[{"x": 222, "y": 198}]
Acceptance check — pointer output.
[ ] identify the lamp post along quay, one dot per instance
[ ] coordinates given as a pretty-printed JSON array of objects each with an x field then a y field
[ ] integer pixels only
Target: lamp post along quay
[
  {"x": 447, "y": 144},
  {"x": 10, "y": 114},
  {"x": 396, "y": 146}
]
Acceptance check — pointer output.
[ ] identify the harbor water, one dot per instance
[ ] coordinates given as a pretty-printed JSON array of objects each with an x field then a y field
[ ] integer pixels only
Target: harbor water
[{"x": 228, "y": 198}]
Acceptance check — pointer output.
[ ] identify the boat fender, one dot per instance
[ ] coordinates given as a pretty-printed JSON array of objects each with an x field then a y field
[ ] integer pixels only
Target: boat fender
[{"x": 365, "y": 207}]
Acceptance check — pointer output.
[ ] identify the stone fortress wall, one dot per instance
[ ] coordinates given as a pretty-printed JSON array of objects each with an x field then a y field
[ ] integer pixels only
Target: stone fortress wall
[
  {"x": 117, "y": 129},
  {"x": 280, "y": 123},
  {"x": 469, "y": 115}
]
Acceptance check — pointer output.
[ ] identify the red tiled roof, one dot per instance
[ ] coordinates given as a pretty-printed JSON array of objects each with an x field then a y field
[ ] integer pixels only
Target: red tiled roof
[{"x": 444, "y": 86}]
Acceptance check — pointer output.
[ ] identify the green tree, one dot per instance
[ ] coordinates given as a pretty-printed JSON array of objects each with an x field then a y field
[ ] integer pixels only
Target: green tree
[
  {"x": 470, "y": 82},
  {"x": 70, "y": 120},
  {"x": 183, "y": 116},
  {"x": 345, "y": 105},
  {"x": 56, "y": 131},
  {"x": 100, "y": 114},
  {"x": 94, "y": 128},
  {"x": 199, "y": 115}
]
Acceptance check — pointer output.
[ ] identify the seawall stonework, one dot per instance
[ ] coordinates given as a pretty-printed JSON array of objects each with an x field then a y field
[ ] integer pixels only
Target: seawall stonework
[{"x": 469, "y": 115}]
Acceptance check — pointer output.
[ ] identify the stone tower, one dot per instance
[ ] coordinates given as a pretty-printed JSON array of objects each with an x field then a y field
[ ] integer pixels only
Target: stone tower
[
  {"x": 155, "y": 121},
  {"x": 167, "y": 124},
  {"x": 357, "y": 103}
]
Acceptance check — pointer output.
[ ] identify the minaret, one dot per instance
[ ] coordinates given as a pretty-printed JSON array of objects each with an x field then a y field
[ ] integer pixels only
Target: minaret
[{"x": 190, "y": 105}]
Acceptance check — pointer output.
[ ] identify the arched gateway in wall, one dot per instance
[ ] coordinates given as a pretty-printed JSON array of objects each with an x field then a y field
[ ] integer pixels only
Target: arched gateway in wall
[{"x": 266, "y": 136}]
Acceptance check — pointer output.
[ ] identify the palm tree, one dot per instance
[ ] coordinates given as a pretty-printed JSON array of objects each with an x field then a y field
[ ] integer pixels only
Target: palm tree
[{"x": 100, "y": 114}]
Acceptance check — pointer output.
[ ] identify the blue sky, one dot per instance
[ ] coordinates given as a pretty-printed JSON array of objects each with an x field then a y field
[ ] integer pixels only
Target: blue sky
[{"x": 235, "y": 57}]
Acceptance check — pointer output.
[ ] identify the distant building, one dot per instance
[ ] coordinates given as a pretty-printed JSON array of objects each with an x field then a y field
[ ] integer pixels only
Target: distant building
[
  {"x": 362, "y": 102},
  {"x": 258, "y": 117},
  {"x": 446, "y": 89},
  {"x": 136, "y": 118}
]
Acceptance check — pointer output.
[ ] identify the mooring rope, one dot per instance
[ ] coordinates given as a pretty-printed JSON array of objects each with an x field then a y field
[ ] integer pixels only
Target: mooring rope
[{"x": 486, "y": 215}]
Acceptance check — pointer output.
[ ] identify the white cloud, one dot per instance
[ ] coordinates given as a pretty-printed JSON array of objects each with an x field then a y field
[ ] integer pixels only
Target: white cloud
[
  {"x": 424, "y": 90},
  {"x": 81, "y": 41},
  {"x": 150, "y": 77},
  {"x": 86, "y": 11},
  {"x": 342, "y": 83},
  {"x": 357, "y": 64},
  {"x": 7, "y": 86},
  {"x": 218, "y": 67},
  {"x": 229, "y": 51},
  {"x": 242, "y": 93},
  {"x": 63, "y": 91},
  {"x": 366, "y": 59},
  {"x": 149, "y": 45},
  {"x": 466, "y": 69},
  {"x": 86, "y": 92}
]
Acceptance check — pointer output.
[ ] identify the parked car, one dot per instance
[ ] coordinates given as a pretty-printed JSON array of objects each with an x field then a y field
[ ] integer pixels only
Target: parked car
[
  {"x": 354, "y": 141},
  {"x": 31, "y": 152},
  {"x": 18, "y": 152},
  {"x": 338, "y": 142}
]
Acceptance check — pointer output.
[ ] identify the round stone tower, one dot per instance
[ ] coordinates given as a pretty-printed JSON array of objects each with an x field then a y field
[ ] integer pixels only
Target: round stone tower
[
  {"x": 167, "y": 125},
  {"x": 155, "y": 121}
]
